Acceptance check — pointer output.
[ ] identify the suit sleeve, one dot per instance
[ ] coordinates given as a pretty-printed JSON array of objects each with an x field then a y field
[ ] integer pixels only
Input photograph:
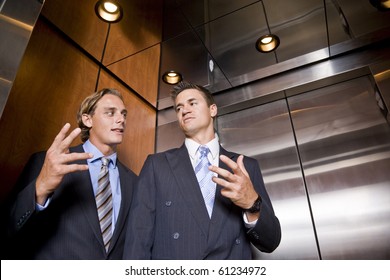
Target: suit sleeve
[
  {"x": 141, "y": 223},
  {"x": 22, "y": 201},
  {"x": 266, "y": 234}
]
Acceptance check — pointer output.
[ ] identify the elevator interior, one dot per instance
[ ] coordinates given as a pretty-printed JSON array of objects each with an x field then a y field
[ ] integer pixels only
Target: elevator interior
[
  {"x": 325, "y": 157},
  {"x": 314, "y": 113}
]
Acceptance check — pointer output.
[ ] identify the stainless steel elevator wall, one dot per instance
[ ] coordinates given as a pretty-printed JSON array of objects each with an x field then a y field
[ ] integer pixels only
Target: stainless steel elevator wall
[
  {"x": 265, "y": 133},
  {"x": 325, "y": 158},
  {"x": 17, "y": 20}
]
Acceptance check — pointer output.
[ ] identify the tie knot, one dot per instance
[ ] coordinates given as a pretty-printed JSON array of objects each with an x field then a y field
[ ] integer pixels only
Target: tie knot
[
  {"x": 204, "y": 150},
  {"x": 105, "y": 161}
]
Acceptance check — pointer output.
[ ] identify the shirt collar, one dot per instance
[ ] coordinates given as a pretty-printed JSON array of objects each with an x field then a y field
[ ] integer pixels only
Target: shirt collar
[
  {"x": 97, "y": 155},
  {"x": 193, "y": 147}
]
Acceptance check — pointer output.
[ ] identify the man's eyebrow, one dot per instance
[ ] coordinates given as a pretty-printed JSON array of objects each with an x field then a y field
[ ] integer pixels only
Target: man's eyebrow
[
  {"x": 188, "y": 100},
  {"x": 109, "y": 108},
  {"x": 191, "y": 99}
]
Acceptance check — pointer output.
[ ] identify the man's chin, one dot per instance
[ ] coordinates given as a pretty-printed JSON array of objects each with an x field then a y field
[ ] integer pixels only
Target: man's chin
[{"x": 117, "y": 141}]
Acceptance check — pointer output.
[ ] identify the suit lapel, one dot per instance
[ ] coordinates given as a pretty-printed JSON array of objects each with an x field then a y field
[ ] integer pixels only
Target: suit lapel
[
  {"x": 222, "y": 205},
  {"x": 126, "y": 193},
  {"x": 188, "y": 185}
]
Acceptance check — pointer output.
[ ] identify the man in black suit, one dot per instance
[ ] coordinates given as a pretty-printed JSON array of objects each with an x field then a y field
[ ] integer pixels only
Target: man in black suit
[
  {"x": 54, "y": 213},
  {"x": 170, "y": 217}
]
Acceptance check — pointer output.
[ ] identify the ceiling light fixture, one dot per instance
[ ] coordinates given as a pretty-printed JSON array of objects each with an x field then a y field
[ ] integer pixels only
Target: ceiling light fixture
[
  {"x": 267, "y": 43},
  {"x": 172, "y": 77},
  {"x": 109, "y": 10}
]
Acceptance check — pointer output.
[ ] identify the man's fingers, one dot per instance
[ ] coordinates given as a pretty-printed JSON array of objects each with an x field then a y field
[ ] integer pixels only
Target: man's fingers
[
  {"x": 221, "y": 172},
  {"x": 62, "y": 142},
  {"x": 222, "y": 182},
  {"x": 230, "y": 163},
  {"x": 68, "y": 158},
  {"x": 240, "y": 163},
  {"x": 69, "y": 139},
  {"x": 61, "y": 135},
  {"x": 75, "y": 167}
]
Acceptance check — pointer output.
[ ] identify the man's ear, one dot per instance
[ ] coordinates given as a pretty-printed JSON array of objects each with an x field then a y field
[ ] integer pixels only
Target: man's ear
[
  {"x": 87, "y": 120},
  {"x": 213, "y": 110}
]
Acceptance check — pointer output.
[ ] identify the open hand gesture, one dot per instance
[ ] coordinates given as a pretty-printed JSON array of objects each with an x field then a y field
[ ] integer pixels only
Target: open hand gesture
[{"x": 57, "y": 163}]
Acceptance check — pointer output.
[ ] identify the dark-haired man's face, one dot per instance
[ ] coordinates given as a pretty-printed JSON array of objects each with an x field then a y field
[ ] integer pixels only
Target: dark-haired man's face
[{"x": 193, "y": 113}]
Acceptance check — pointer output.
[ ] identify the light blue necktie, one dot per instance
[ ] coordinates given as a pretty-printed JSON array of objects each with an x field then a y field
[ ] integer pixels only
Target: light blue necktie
[
  {"x": 104, "y": 203},
  {"x": 204, "y": 175}
]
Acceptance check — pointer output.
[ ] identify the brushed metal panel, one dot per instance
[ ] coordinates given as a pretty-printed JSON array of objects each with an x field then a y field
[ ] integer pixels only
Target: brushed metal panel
[
  {"x": 338, "y": 26},
  {"x": 304, "y": 75},
  {"x": 344, "y": 143},
  {"x": 17, "y": 20},
  {"x": 187, "y": 55},
  {"x": 300, "y": 25},
  {"x": 265, "y": 132},
  {"x": 231, "y": 40},
  {"x": 200, "y": 12},
  {"x": 381, "y": 72},
  {"x": 362, "y": 17}
]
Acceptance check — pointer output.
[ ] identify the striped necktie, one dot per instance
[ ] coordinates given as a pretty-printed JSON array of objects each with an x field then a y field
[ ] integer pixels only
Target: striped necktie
[
  {"x": 104, "y": 203},
  {"x": 204, "y": 175}
]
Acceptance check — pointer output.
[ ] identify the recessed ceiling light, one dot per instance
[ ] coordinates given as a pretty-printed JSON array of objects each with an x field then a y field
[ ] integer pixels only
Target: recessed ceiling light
[
  {"x": 172, "y": 77},
  {"x": 109, "y": 10},
  {"x": 267, "y": 43}
]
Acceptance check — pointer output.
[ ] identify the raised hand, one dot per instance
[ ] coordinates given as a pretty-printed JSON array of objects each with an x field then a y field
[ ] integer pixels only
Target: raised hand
[
  {"x": 57, "y": 163},
  {"x": 237, "y": 186}
]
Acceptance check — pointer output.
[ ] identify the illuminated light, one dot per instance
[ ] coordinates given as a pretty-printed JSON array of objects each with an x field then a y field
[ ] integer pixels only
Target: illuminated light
[
  {"x": 267, "y": 43},
  {"x": 110, "y": 7},
  {"x": 172, "y": 77},
  {"x": 109, "y": 11}
]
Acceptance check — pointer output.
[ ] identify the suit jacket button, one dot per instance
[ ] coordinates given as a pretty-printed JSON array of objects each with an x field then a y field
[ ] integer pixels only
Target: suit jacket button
[
  {"x": 238, "y": 241},
  {"x": 176, "y": 235},
  {"x": 168, "y": 203}
]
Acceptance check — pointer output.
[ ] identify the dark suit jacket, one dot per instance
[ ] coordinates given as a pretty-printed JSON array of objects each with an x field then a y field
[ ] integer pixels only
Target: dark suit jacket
[
  {"x": 69, "y": 228},
  {"x": 169, "y": 220}
]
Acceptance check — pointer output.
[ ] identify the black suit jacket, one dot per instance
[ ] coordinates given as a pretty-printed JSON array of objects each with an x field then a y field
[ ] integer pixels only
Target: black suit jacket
[
  {"x": 69, "y": 228},
  {"x": 169, "y": 220}
]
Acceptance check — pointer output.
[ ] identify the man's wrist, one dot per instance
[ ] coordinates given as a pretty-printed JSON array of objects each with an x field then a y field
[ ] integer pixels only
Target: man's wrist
[{"x": 256, "y": 206}]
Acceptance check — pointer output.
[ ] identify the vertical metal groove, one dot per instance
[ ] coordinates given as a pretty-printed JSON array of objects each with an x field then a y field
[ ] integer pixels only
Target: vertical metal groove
[{"x": 304, "y": 179}]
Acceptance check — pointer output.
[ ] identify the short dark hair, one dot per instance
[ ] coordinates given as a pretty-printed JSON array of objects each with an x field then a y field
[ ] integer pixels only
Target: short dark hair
[
  {"x": 88, "y": 106},
  {"x": 177, "y": 89}
]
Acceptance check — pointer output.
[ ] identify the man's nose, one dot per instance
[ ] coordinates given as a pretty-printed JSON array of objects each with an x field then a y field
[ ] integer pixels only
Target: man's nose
[
  {"x": 120, "y": 118},
  {"x": 185, "y": 110}
]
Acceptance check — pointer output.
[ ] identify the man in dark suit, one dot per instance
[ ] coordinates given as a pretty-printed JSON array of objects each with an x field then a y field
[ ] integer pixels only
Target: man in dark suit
[
  {"x": 171, "y": 218},
  {"x": 54, "y": 214}
]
